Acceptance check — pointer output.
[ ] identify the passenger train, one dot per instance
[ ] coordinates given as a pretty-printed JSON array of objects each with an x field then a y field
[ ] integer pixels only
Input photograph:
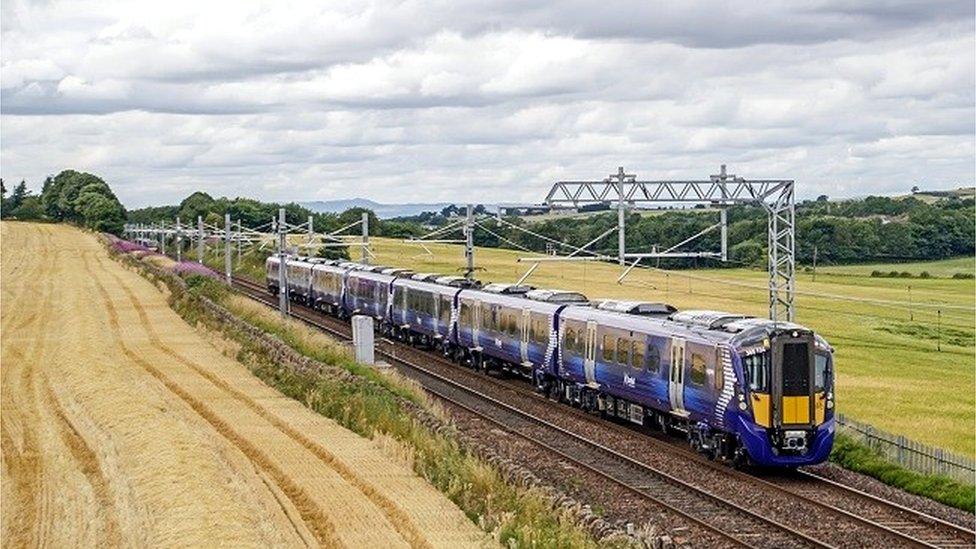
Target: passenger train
[{"x": 740, "y": 388}]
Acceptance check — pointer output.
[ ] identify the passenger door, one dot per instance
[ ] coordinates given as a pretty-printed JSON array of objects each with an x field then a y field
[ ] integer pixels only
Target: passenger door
[
  {"x": 524, "y": 341},
  {"x": 676, "y": 377},
  {"x": 589, "y": 360},
  {"x": 476, "y": 323}
]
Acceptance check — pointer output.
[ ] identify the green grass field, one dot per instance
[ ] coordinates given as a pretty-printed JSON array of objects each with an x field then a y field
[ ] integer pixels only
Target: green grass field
[
  {"x": 941, "y": 269},
  {"x": 889, "y": 371}
]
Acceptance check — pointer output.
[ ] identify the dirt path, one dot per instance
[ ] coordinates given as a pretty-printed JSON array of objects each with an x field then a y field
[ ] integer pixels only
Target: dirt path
[{"x": 120, "y": 425}]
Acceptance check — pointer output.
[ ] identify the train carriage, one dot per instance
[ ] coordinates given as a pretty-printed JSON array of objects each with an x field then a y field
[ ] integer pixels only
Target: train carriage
[
  {"x": 367, "y": 293},
  {"x": 423, "y": 311},
  {"x": 327, "y": 287},
  {"x": 271, "y": 279},
  {"x": 298, "y": 276},
  {"x": 513, "y": 332},
  {"x": 740, "y": 387}
]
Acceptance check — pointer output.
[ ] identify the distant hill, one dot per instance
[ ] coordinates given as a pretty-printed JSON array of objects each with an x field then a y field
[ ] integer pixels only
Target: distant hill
[{"x": 383, "y": 211}]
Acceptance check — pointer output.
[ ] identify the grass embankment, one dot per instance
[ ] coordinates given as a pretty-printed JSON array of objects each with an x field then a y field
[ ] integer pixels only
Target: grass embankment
[
  {"x": 849, "y": 454},
  {"x": 372, "y": 406}
]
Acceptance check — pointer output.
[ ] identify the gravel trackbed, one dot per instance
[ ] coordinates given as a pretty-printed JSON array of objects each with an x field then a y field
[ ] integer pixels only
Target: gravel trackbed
[{"x": 121, "y": 425}]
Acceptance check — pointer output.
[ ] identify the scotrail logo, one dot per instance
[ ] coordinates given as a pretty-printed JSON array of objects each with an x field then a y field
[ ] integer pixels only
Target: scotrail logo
[{"x": 629, "y": 381}]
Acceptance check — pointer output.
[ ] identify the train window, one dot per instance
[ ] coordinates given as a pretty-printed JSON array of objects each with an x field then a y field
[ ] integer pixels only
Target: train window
[
  {"x": 445, "y": 310},
  {"x": 637, "y": 354},
  {"x": 623, "y": 349},
  {"x": 820, "y": 373},
  {"x": 607, "y": 348},
  {"x": 653, "y": 358},
  {"x": 757, "y": 370},
  {"x": 571, "y": 340},
  {"x": 698, "y": 376},
  {"x": 465, "y": 314},
  {"x": 581, "y": 342},
  {"x": 513, "y": 329}
]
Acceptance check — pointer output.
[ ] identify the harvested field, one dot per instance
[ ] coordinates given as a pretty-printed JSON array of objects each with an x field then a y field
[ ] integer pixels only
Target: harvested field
[{"x": 121, "y": 425}]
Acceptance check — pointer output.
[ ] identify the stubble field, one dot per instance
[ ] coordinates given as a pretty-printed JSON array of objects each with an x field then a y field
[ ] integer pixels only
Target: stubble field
[{"x": 121, "y": 425}]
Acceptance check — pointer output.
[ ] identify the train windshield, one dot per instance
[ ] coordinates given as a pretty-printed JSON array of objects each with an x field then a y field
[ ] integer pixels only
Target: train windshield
[{"x": 796, "y": 369}]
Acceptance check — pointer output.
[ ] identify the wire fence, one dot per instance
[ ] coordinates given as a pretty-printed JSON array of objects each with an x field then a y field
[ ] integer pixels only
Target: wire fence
[{"x": 910, "y": 454}]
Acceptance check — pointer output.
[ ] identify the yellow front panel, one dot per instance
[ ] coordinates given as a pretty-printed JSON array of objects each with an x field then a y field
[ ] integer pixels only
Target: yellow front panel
[
  {"x": 760, "y": 409},
  {"x": 796, "y": 410},
  {"x": 820, "y": 406}
]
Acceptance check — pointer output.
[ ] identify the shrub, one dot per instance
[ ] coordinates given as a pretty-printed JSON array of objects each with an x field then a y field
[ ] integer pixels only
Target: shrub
[
  {"x": 905, "y": 274},
  {"x": 925, "y": 274},
  {"x": 188, "y": 268},
  {"x": 963, "y": 276},
  {"x": 206, "y": 286},
  {"x": 877, "y": 274}
]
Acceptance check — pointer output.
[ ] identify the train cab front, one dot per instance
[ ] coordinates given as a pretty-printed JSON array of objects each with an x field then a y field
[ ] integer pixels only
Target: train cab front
[{"x": 787, "y": 416}]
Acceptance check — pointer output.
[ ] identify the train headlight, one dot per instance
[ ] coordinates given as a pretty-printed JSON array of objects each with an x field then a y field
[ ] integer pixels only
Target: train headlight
[
  {"x": 830, "y": 404},
  {"x": 743, "y": 406}
]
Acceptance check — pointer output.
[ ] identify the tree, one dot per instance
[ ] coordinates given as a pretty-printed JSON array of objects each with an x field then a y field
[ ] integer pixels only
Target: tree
[
  {"x": 17, "y": 197},
  {"x": 101, "y": 213},
  {"x": 82, "y": 198},
  {"x": 197, "y": 204},
  {"x": 30, "y": 208},
  {"x": 823, "y": 198}
]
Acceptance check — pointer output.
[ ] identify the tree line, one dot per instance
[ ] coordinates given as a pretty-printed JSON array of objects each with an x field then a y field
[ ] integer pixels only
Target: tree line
[
  {"x": 74, "y": 197},
  {"x": 836, "y": 232}
]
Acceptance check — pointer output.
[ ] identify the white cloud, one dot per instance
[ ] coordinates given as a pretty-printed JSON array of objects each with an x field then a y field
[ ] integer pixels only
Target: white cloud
[{"x": 428, "y": 100}]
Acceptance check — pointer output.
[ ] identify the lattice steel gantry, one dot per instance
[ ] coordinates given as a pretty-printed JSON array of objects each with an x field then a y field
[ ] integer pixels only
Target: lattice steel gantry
[{"x": 775, "y": 195}]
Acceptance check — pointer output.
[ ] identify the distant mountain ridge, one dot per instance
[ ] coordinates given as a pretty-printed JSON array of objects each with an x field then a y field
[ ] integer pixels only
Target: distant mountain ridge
[{"x": 383, "y": 211}]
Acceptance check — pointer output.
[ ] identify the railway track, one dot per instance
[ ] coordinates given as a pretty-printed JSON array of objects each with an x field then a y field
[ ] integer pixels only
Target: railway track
[{"x": 902, "y": 525}]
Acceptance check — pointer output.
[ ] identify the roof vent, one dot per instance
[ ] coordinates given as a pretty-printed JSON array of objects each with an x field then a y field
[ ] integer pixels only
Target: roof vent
[
  {"x": 507, "y": 289},
  {"x": 556, "y": 296},
  {"x": 643, "y": 308},
  {"x": 457, "y": 282},
  {"x": 426, "y": 277},
  {"x": 712, "y": 320},
  {"x": 396, "y": 271}
]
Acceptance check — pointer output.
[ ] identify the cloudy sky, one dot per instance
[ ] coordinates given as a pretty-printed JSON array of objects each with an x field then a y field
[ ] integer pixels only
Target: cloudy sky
[{"x": 452, "y": 100}]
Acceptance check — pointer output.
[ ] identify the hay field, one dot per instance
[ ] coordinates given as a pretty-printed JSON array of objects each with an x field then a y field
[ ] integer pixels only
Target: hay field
[
  {"x": 122, "y": 426},
  {"x": 889, "y": 372}
]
